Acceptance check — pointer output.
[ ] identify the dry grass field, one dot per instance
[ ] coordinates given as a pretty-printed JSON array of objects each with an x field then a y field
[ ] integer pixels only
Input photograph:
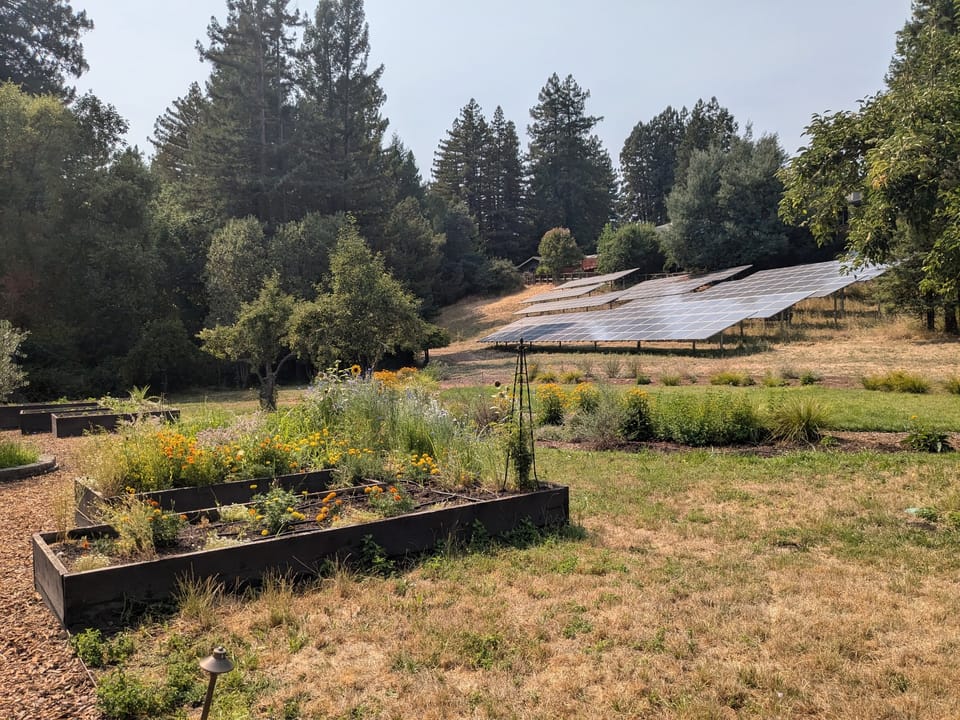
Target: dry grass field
[{"x": 694, "y": 584}]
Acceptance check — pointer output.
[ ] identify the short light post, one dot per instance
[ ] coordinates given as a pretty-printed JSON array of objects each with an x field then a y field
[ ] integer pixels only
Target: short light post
[{"x": 216, "y": 665}]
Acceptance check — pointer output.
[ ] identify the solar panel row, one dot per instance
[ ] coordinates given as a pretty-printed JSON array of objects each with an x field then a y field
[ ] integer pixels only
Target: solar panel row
[{"x": 667, "y": 309}]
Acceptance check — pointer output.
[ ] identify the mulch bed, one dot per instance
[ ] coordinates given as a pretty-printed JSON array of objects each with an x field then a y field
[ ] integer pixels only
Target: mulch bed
[{"x": 42, "y": 677}]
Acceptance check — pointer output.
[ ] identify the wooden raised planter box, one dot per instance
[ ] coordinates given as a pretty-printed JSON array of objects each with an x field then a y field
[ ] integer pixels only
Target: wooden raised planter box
[
  {"x": 37, "y": 417},
  {"x": 189, "y": 499},
  {"x": 73, "y": 424},
  {"x": 104, "y": 597}
]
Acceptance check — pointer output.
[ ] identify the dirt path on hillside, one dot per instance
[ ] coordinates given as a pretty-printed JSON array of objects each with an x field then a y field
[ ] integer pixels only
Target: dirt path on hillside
[{"x": 42, "y": 678}]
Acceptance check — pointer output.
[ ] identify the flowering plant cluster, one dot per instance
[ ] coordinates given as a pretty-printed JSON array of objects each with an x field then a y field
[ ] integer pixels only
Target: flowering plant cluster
[{"x": 390, "y": 501}]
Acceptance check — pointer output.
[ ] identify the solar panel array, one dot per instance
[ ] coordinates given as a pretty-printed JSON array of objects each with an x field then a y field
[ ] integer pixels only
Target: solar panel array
[
  {"x": 581, "y": 303},
  {"x": 678, "y": 284},
  {"x": 686, "y": 315}
]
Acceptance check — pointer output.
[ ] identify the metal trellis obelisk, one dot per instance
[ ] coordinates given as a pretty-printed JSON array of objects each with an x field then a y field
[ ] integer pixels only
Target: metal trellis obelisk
[{"x": 520, "y": 442}]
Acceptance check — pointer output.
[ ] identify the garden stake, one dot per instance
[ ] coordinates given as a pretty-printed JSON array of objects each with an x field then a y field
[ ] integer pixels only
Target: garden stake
[
  {"x": 215, "y": 664},
  {"x": 522, "y": 445}
]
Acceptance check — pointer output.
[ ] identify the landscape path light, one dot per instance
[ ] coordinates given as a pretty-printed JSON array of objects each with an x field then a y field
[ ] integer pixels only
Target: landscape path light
[{"x": 216, "y": 665}]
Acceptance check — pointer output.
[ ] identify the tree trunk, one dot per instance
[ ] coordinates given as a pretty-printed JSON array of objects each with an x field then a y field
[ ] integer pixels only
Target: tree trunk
[
  {"x": 268, "y": 392},
  {"x": 931, "y": 320},
  {"x": 950, "y": 319}
]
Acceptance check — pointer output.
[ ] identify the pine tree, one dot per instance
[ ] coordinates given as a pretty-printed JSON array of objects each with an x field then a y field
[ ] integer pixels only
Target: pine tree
[
  {"x": 648, "y": 161},
  {"x": 340, "y": 127},
  {"x": 40, "y": 44},
  {"x": 571, "y": 177},
  {"x": 460, "y": 164},
  {"x": 709, "y": 125},
  {"x": 506, "y": 225},
  {"x": 243, "y": 141}
]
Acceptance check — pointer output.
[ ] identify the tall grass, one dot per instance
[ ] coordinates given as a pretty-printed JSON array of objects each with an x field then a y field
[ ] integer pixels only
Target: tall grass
[{"x": 14, "y": 454}]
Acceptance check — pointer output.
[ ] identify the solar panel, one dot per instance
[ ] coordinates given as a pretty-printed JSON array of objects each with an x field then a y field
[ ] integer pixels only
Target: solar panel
[
  {"x": 677, "y": 284},
  {"x": 590, "y": 301},
  {"x": 598, "y": 279},
  {"x": 561, "y": 294}
]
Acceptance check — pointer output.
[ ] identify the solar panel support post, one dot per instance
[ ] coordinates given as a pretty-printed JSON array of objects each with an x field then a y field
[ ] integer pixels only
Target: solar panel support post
[{"x": 721, "y": 341}]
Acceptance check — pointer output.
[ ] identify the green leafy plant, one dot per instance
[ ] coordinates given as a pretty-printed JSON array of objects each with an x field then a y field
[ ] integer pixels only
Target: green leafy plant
[
  {"x": 923, "y": 438},
  {"x": 551, "y": 404},
  {"x": 731, "y": 377},
  {"x": 388, "y": 501},
  {"x": 635, "y": 422},
  {"x": 810, "y": 377},
  {"x": 275, "y": 509},
  {"x": 708, "y": 419}
]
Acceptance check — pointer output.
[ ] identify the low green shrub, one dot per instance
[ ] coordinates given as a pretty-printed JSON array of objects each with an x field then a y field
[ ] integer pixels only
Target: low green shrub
[
  {"x": 572, "y": 377},
  {"x": 547, "y": 376},
  {"x": 774, "y": 380},
  {"x": 585, "y": 397},
  {"x": 897, "y": 381},
  {"x": 732, "y": 377},
  {"x": 670, "y": 380},
  {"x": 952, "y": 385},
  {"x": 612, "y": 366},
  {"x": 643, "y": 379},
  {"x": 923, "y": 438},
  {"x": 635, "y": 422},
  {"x": 707, "y": 419},
  {"x": 810, "y": 377},
  {"x": 551, "y": 404}
]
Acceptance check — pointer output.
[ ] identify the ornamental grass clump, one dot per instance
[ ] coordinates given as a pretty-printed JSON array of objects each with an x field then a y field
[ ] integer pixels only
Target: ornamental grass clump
[
  {"x": 798, "y": 419},
  {"x": 897, "y": 381}
]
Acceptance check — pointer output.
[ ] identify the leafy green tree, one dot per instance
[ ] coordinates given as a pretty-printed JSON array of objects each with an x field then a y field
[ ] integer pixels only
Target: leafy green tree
[
  {"x": 340, "y": 129},
  {"x": 238, "y": 262},
  {"x": 648, "y": 162},
  {"x": 364, "y": 314},
  {"x": 40, "y": 45},
  {"x": 300, "y": 251},
  {"x": 411, "y": 249},
  {"x": 12, "y": 375},
  {"x": 896, "y": 157},
  {"x": 260, "y": 338},
  {"x": 558, "y": 250},
  {"x": 724, "y": 212},
  {"x": 572, "y": 183},
  {"x": 634, "y": 245}
]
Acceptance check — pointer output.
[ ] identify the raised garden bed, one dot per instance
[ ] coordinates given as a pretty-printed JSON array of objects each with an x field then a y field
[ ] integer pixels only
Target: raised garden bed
[
  {"x": 106, "y": 596},
  {"x": 188, "y": 499},
  {"x": 75, "y": 423},
  {"x": 10, "y": 413},
  {"x": 38, "y": 418},
  {"x": 45, "y": 464}
]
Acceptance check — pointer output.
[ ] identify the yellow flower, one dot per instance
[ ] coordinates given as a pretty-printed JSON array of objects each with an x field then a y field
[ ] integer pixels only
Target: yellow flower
[
  {"x": 253, "y": 487},
  {"x": 264, "y": 532}
]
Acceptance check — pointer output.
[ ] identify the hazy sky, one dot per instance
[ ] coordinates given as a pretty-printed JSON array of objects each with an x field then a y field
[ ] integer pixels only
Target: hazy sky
[{"x": 770, "y": 62}]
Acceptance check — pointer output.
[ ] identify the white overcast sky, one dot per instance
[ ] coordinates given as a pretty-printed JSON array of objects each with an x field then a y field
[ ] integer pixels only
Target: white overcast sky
[{"x": 771, "y": 62}]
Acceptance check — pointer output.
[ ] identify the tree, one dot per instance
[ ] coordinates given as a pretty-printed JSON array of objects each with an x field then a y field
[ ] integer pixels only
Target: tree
[
  {"x": 340, "y": 128},
  {"x": 507, "y": 227},
  {"x": 365, "y": 313},
  {"x": 260, "y": 338},
  {"x": 40, "y": 45},
  {"x": 896, "y": 156},
  {"x": 571, "y": 177},
  {"x": 708, "y": 125},
  {"x": 411, "y": 249},
  {"x": 558, "y": 250},
  {"x": 634, "y": 245},
  {"x": 648, "y": 162},
  {"x": 238, "y": 262},
  {"x": 724, "y": 211},
  {"x": 459, "y": 165},
  {"x": 12, "y": 375},
  {"x": 240, "y": 149}
]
